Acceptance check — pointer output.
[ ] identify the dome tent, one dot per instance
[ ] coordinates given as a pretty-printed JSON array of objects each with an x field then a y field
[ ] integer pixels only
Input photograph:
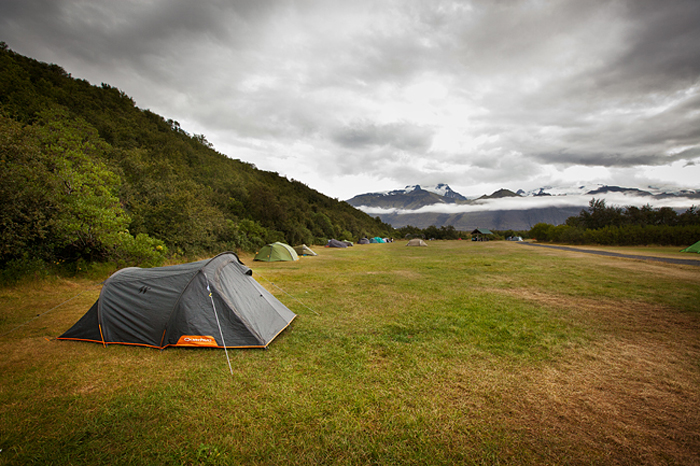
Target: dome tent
[
  {"x": 304, "y": 250},
  {"x": 334, "y": 243},
  {"x": 213, "y": 303},
  {"x": 275, "y": 252},
  {"x": 416, "y": 242}
]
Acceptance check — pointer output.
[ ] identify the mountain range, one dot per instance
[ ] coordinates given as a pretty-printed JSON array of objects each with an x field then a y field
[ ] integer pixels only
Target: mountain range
[{"x": 440, "y": 205}]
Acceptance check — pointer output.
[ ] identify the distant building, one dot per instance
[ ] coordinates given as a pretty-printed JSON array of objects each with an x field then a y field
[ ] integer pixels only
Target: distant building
[{"x": 480, "y": 234}]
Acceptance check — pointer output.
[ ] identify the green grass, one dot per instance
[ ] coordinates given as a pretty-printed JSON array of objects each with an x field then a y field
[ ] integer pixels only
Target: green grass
[{"x": 459, "y": 353}]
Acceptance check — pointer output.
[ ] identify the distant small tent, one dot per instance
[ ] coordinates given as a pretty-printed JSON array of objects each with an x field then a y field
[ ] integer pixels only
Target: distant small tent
[
  {"x": 213, "y": 303},
  {"x": 363, "y": 241},
  {"x": 694, "y": 248},
  {"x": 377, "y": 239},
  {"x": 416, "y": 242},
  {"x": 304, "y": 250},
  {"x": 334, "y": 243},
  {"x": 348, "y": 243},
  {"x": 275, "y": 252}
]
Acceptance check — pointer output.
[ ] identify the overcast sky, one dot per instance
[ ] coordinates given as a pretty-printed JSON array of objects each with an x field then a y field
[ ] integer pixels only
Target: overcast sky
[{"x": 351, "y": 97}]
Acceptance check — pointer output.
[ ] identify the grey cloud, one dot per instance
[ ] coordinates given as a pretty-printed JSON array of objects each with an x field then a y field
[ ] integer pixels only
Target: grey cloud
[
  {"x": 609, "y": 83},
  {"x": 663, "y": 52},
  {"x": 401, "y": 136}
]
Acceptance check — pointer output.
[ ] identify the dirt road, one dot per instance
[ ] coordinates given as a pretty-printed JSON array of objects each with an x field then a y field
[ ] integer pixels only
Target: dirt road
[{"x": 669, "y": 260}]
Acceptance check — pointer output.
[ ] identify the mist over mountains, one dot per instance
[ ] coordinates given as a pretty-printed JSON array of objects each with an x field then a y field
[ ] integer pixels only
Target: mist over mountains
[{"x": 440, "y": 205}]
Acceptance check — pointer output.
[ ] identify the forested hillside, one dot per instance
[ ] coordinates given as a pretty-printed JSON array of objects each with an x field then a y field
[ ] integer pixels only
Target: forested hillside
[{"x": 87, "y": 175}]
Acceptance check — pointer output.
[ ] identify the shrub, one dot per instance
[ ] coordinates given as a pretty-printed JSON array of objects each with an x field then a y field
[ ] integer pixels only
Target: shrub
[{"x": 140, "y": 251}]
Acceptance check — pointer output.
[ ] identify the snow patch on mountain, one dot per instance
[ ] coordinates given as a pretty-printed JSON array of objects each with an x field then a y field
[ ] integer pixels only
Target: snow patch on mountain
[
  {"x": 592, "y": 189},
  {"x": 441, "y": 189}
]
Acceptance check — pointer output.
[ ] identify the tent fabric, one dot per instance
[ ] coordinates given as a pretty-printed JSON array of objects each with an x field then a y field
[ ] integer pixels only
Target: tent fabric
[
  {"x": 304, "y": 250},
  {"x": 275, "y": 252},
  {"x": 179, "y": 305},
  {"x": 377, "y": 239},
  {"x": 334, "y": 243},
  {"x": 416, "y": 242},
  {"x": 363, "y": 241},
  {"x": 693, "y": 248}
]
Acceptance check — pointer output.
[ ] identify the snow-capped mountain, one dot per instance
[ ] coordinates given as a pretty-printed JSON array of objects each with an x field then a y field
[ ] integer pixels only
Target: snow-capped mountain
[
  {"x": 441, "y": 189},
  {"x": 593, "y": 189},
  {"x": 439, "y": 205}
]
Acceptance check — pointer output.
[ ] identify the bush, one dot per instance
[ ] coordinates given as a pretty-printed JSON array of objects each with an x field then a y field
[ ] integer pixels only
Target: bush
[
  {"x": 629, "y": 235},
  {"x": 139, "y": 251},
  {"x": 542, "y": 232},
  {"x": 17, "y": 269}
]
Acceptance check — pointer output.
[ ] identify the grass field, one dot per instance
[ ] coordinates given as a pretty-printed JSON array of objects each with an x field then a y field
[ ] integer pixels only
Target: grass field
[{"x": 458, "y": 353}]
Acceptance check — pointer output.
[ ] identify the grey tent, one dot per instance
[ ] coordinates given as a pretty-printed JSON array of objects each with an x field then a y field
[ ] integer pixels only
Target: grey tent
[
  {"x": 363, "y": 241},
  {"x": 212, "y": 303},
  {"x": 334, "y": 243}
]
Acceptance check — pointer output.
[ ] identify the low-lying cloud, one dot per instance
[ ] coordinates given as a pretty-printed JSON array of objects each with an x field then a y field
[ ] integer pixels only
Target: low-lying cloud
[{"x": 540, "y": 202}]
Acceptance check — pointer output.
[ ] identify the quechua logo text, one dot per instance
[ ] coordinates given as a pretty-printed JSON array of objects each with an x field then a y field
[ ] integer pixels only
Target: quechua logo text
[{"x": 196, "y": 340}]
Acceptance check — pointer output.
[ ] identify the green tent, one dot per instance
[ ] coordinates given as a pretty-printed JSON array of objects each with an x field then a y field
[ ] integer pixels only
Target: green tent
[
  {"x": 274, "y": 252},
  {"x": 694, "y": 248}
]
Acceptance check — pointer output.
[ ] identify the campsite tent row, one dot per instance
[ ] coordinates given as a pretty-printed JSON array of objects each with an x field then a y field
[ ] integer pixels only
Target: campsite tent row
[{"x": 374, "y": 240}]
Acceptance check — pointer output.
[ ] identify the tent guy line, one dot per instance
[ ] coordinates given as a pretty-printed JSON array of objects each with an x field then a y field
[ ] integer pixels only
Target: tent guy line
[{"x": 218, "y": 323}]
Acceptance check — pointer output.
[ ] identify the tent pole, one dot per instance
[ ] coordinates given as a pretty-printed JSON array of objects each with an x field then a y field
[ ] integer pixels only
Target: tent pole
[{"x": 220, "y": 331}]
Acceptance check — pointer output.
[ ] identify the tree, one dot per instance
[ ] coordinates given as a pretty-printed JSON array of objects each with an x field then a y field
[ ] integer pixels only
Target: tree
[
  {"x": 690, "y": 216},
  {"x": 27, "y": 214},
  {"x": 541, "y": 232},
  {"x": 60, "y": 197},
  {"x": 88, "y": 216}
]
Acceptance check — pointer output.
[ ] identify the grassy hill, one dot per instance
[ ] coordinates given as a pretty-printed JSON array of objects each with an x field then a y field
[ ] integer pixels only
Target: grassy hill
[{"x": 138, "y": 172}]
